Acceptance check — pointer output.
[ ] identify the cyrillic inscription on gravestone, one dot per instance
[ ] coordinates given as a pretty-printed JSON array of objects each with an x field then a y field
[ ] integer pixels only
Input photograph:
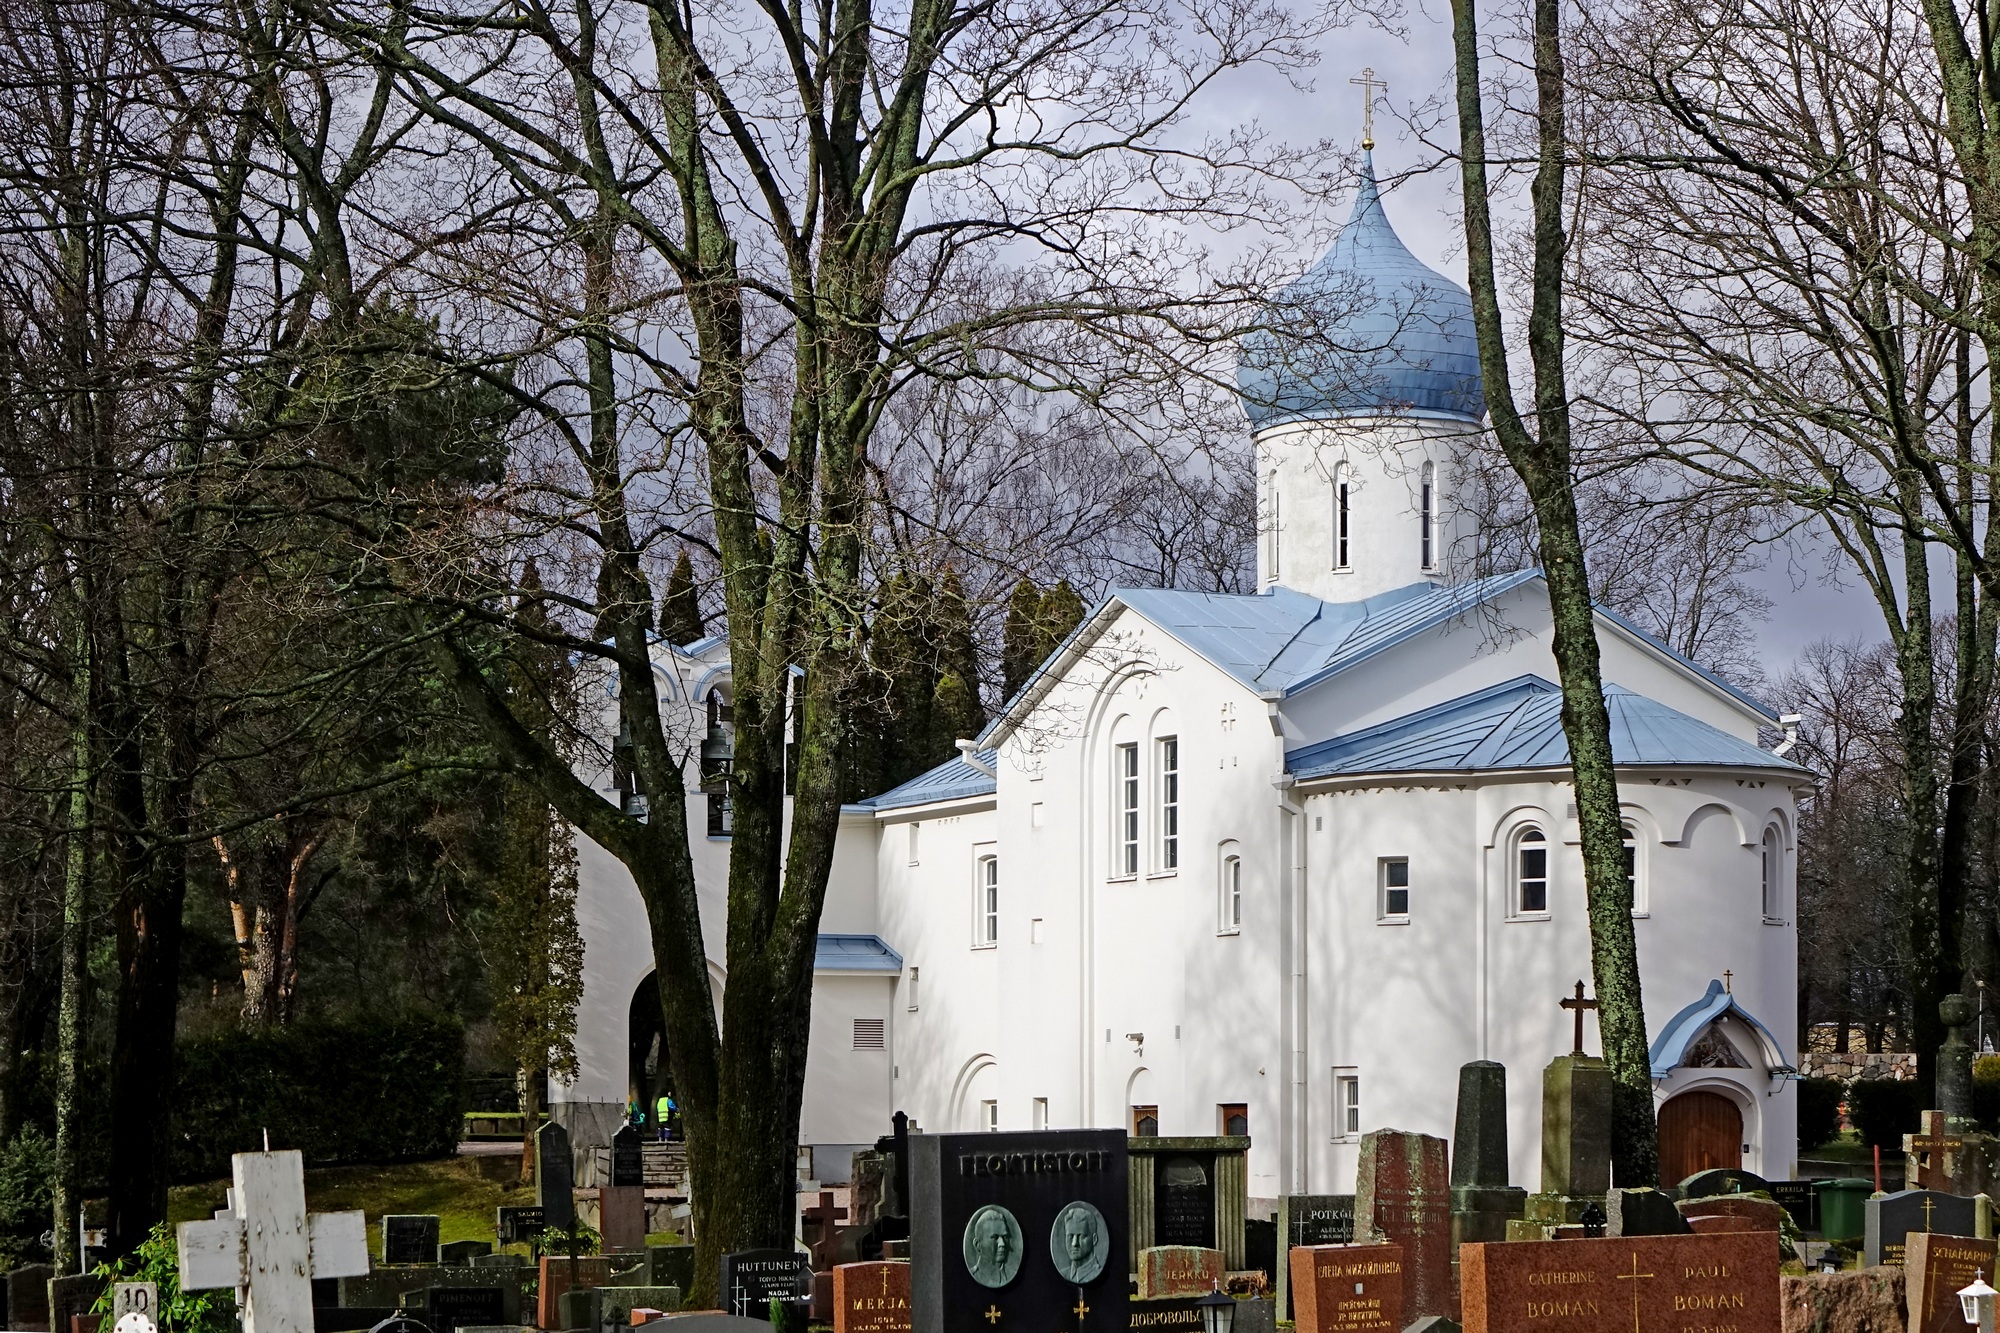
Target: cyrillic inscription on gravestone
[
  {"x": 1347, "y": 1288},
  {"x": 1309, "y": 1219},
  {"x": 1184, "y": 1201},
  {"x": 871, "y": 1298},
  {"x": 1402, "y": 1191},
  {"x": 1621, "y": 1283},
  {"x": 447, "y": 1309},
  {"x": 1934, "y": 1268},
  {"x": 628, "y": 1162}
]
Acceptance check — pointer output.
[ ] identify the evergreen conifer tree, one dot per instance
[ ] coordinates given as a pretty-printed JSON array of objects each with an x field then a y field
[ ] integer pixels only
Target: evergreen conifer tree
[
  {"x": 1061, "y": 611},
  {"x": 680, "y": 606},
  {"x": 1021, "y": 640}
]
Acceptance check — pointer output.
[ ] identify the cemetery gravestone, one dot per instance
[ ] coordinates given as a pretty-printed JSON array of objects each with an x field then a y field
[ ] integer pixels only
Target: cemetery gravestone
[
  {"x": 616, "y": 1304},
  {"x": 1349, "y": 1288},
  {"x": 871, "y": 1298},
  {"x": 1721, "y": 1180},
  {"x": 559, "y": 1273},
  {"x": 1888, "y": 1219},
  {"x": 1309, "y": 1219},
  {"x": 28, "y": 1297},
  {"x": 671, "y": 1265},
  {"x": 555, "y": 1177},
  {"x": 268, "y": 1248},
  {"x": 410, "y": 1238},
  {"x": 1024, "y": 1229},
  {"x": 1184, "y": 1202},
  {"x": 1189, "y": 1191},
  {"x": 1402, "y": 1195},
  {"x": 752, "y": 1279},
  {"x": 517, "y": 1225},
  {"x": 1934, "y": 1268},
  {"x": 1623, "y": 1283},
  {"x": 1482, "y": 1202},
  {"x": 447, "y": 1309},
  {"x": 70, "y": 1298},
  {"x": 628, "y": 1162},
  {"x": 1643, "y": 1212},
  {"x": 463, "y": 1251},
  {"x": 1800, "y": 1199},
  {"x": 1166, "y": 1271}
]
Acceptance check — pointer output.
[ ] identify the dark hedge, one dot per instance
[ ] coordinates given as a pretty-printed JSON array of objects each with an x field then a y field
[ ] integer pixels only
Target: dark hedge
[
  {"x": 1883, "y": 1110},
  {"x": 377, "y": 1090},
  {"x": 1819, "y": 1110}
]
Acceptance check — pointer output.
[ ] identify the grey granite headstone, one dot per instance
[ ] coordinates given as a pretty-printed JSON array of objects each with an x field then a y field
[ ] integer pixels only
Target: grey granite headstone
[
  {"x": 1643, "y": 1212},
  {"x": 1482, "y": 1202},
  {"x": 410, "y": 1238},
  {"x": 72, "y": 1294},
  {"x": 1309, "y": 1219},
  {"x": 1891, "y": 1217},
  {"x": 555, "y": 1176},
  {"x": 28, "y": 1297},
  {"x": 752, "y": 1279}
]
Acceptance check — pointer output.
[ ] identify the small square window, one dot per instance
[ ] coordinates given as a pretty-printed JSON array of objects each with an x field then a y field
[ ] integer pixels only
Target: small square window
[
  {"x": 1396, "y": 888},
  {"x": 1233, "y": 1118},
  {"x": 1145, "y": 1122}
]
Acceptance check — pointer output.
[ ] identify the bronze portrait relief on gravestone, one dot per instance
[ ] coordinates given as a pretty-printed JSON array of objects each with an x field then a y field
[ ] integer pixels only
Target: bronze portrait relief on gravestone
[
  {"x": 993, "y": 1246},
  {"x": 1080, "y": 1242}
]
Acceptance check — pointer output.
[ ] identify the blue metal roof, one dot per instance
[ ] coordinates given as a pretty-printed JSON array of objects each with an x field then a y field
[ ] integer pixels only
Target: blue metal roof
[
  {"x": 1288, "y": 641},
  {"x": 1370, "y": 330},
  {"x": 1518, "y": 724},
  {"x": 952, "y": 780},
  {"x": 1686, "y": 1027},
  {"x": 855, "y": 953}
]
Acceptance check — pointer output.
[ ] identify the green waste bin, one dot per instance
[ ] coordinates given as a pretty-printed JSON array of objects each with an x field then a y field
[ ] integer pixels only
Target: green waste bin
[{"x": 1841, "y": 1217}]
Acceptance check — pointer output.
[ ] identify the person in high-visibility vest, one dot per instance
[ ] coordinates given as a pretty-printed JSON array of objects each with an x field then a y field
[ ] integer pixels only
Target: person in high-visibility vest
[{"x": 665, "y": 1109}]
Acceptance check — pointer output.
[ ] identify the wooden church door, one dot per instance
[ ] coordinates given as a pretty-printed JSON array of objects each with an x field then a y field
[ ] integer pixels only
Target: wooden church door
[{"x": 1699, "y": 1131}]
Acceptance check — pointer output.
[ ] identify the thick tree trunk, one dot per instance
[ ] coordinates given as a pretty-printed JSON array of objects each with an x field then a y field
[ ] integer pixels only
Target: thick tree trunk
[{"x": 1541, "y": 458}]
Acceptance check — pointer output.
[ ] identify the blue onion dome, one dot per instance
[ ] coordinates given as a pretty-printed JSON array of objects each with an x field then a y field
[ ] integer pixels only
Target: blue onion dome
[{"x": 1369, "y": 331}]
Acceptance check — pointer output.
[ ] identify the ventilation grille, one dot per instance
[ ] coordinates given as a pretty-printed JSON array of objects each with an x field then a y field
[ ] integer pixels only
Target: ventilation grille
[{"x": 868, "y": 1035}]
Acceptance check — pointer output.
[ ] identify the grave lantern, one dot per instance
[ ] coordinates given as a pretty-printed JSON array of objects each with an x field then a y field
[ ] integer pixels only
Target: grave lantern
[
  {"x": 1218, "y": 1312},
  {"x": 1977, "y": 1302}
]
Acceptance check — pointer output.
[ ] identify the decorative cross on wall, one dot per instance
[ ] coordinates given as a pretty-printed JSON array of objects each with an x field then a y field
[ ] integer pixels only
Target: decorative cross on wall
[
  {"x": 270, "y": 1249},
  {"x": 1578, "y": 1004}
]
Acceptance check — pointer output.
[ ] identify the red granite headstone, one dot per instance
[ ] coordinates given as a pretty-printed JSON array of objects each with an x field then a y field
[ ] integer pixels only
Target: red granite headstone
[
  {"x": 1178, "y": 1270},
  {"x": 1622, "y": 1283},
  {"x": 871, "y": 1298},
  {"x": 1347, "y": 1288},
  {"x": 1402, "y": 1194},
  {"x": 560, "y": 1273},
  {"x": 621, "y": 1218},
  {"x": 1935, "y": 1267}
]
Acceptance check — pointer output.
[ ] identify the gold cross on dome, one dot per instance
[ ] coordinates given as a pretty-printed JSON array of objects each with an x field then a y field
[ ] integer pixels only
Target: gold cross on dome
[
  {"x": 992, "y": 1314},
  {"x": 1081, "y": 1309},
  {"x": 1368, "y": 84}
]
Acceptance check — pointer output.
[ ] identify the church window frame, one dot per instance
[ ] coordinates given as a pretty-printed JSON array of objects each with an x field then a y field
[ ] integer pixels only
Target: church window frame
[
  {"x": 1771, "y": 874},
  {"x": 1168, "y": 811},
  {"x": 1343, "y": 517},
  {"x": 1529, "y": 864},
  {"x": 1427, "y": 517},
  {"x": 1125, "y": 775},
  {"x": 1393, "y": 878},
  {"x": 989, "y": 1116},
  {"x": 1229, "y": 890},
  {"x": 986, "y": 898},
  {"x": 1346, "y": 1104}
]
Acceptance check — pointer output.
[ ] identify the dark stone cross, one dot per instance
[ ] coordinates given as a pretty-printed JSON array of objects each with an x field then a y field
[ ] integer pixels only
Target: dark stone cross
[
  {"x": 822, "y": 1217},
  {"x": 1577, "y": 1005}
]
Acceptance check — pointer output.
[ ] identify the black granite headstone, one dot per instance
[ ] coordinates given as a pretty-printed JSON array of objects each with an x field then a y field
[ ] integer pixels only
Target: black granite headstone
[
  {"x": 1316, "y": 1219},
  {"x": 1891, "y": 1217},
  {"x": 1643, "y": 1212},
  {"x": 752, "y": 1279},
  {"x": 984, "y": 1231},
  {"x": 463, "y": 1251},
  {"x": 1800, "y": 1199},
  {"x": 555, "y": 1176},
  {"x": 516, "y": 1225},
  {"x": 1184, "y": 1201},
  {"x": 449, "y": 1308},
  {"x": 410, "y": 1238},
  {"x": 628, "y": 1163}
]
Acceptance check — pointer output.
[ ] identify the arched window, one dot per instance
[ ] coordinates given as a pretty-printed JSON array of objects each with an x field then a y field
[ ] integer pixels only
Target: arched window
[
  {"x": 1773, "y": 875},
  {"x": 1531, "y": 872},
  {"x": 986, "y": 923},
  {"x": 1230, "y": 895},
  {"x": 1428, "y": 515},
  {"x": 1343, "y": 482}
]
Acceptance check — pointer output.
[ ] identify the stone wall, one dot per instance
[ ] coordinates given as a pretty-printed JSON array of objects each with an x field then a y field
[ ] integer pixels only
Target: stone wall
[{"x": 1850, "y": 1065}]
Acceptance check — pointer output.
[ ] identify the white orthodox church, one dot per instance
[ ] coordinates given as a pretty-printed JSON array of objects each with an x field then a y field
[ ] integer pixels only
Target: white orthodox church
[{"x": 1280, "y": 863}]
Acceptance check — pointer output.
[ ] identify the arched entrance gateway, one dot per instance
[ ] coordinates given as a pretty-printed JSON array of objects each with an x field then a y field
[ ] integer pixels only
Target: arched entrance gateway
[
  {"x": 649, "y": 1079},
  {"x": 1699, "y": 1131}
]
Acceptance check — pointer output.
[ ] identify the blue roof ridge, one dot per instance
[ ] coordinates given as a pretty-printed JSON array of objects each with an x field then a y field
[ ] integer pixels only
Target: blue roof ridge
[{"x": 1680, "y": 1031}]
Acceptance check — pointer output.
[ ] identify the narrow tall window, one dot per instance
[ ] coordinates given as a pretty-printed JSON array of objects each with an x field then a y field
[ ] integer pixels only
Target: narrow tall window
[
  {"x": 916, "y": 975},
  {"x": 1632, "y": 870},
  {"x": 1041, "y": 1116},
  {"x": 1128, "y": 809},
  {"x": 1342, "y": 480},
  {"x": 1396, "y": 888},
  {"x": 1170, "y": 802},
  {"x": 1429, "y": 515},
  {"x": 1233, "y": 1118},
  {"x": 1531, "y": 872},
  {"x": 1232, "y": 893},
  {"x": 1346, "y": 1105},
  {"x": 1277, "y": 528},
  {"x": 1774, "y": 870},
  {"x": 989, "y": 1117},
  {"x": 988, "y": 928}
]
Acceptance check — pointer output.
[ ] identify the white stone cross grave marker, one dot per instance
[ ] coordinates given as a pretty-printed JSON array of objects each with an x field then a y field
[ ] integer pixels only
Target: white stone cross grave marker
[{"x": 268, "y": 1248}]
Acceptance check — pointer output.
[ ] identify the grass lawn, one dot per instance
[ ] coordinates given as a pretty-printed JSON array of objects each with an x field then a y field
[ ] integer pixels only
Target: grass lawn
[
  {"x": 462, "y": 1191},
  {"x": 1847, "y": 1148}
]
